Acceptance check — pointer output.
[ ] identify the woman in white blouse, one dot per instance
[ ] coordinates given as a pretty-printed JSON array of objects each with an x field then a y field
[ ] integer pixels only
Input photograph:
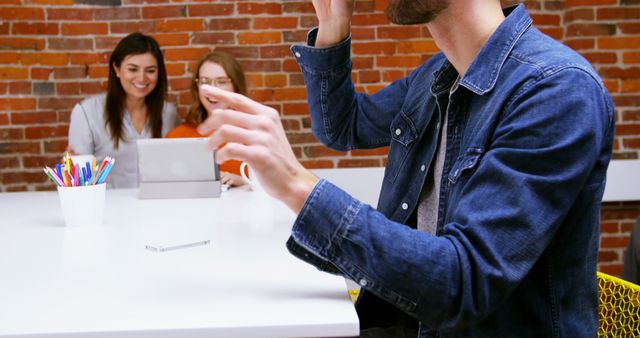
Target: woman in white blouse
[{"x": 134, "y": 107}]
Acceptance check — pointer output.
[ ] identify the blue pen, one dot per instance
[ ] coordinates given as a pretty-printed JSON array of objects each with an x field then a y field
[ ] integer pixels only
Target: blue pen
[
  {"x": 87, "y": 177},
  {"x": 105, "y": 172},
  {"x": 59, "y": 171}
]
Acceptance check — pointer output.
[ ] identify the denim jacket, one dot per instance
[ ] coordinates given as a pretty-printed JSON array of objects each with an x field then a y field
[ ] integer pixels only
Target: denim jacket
[{"x": 529, "y": 138}]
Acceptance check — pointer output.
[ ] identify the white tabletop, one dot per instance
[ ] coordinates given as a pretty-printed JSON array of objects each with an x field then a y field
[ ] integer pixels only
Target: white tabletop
[{"x": 102, "y": 282}]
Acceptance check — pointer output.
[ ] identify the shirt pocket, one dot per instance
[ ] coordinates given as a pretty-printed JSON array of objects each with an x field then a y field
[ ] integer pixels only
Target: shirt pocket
[
  {"x": 403, "y": 135},
  {"x": 465, "y": 163}
]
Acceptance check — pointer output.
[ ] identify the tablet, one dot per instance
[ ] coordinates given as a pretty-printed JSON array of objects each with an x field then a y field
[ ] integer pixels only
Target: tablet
[{"x": 177, "y": 168}]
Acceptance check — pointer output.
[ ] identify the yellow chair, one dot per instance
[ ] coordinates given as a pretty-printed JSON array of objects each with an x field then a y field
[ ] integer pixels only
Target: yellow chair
[{"x": 619, "y": 307}]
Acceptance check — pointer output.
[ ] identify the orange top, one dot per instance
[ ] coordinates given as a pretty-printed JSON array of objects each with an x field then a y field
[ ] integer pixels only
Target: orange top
[{"x": 188, "y": 130}]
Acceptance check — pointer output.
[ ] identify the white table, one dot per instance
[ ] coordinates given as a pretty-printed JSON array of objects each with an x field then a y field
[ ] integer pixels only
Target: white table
[{"x": 102, "y": 282}]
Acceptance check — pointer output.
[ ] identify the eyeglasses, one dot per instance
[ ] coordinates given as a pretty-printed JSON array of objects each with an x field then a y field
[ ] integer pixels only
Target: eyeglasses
[{"x": 218, "y": 81}]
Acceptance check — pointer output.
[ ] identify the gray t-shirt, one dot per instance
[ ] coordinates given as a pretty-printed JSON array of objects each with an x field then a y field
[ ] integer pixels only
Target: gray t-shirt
[{"x": 88, "y": 134}]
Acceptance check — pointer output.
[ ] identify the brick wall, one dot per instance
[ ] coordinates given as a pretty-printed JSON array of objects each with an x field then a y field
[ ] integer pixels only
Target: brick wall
[{"x": 53, "y": 53}]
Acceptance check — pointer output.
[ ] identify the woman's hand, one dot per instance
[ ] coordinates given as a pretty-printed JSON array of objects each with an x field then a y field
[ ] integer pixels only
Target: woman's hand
[
  {"x": 252, "y": 132},
  {"x": 232, "y": 180},
  {"x": 334, "y": 21}
]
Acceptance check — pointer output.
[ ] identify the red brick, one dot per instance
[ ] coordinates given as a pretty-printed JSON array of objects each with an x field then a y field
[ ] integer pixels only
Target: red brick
[
  {"x": 200, "y": 38},
  {"x": 249, "y": 38},
  {"x": 38, "y": 73},
  {"x": 578, "y": 29},
  {"x": 299, "y": 138},
  {"x": 211, "y": 10},
  {"x": 259, "y": 8},
  {"x": 321, "y": 151},
  {"x": 163, "y": 12},
  {"x": 261, "y": 95},
  {"x": 117, "y": 13},
  {"x": 317, "y": 164},
  {"x": 631, "y": 57},
  {"x": 361, "y": 33},
  {"x": 9, "y": 58},
  {"x": 614, "y": 241},
  {"x": 278, "y": 52},
  {"x": 20, "y": 88},
  {"x": 9, "y": 163},
  {"x": 180, "y": 25},
  {"x": 57, "y": 103},
  {"x": 398, "y": 32},
  {"x": 629, "y": 28},
  {"x": 546, "y": 19},
  {"x": 33, "y": 118},
  {"x": 298, "y": 7},
  {"x": 53, "y": 59},
  {"x": 295, "y": 109},
  {"x": 598, "y": 57},
  {"x": 19, "y": 147},
  {"x": 13, "y": 43},
  {"x": 630, "y": 86},
  {"x": 290, "y": 94},
  {"x": 275, "y": 23},
  {"x": 55, "y": 146},
  {"x": 17, "y": 103},
  {"x": 631, "y": 115},
  {"x": 617, "y": 13},
  {"x": 374, "y": 48},
  {"x": 576, "y": 3},
  {"x": 631, "y": 143},
  {"x": 37, "y": 28},
  {"x": 275, "y": 80},
  {"x": 4, "y": 119},
  {"x": 619, "y": 43},
  {"x": 398, "y": 61},
  {"x": 135, "y": 26},
  {"x": 261, "y": 65},
  {"x": 10, "y": 13},
  {"x": 579, "y": 14},
  {"x": 290, "y": 125},
  {"x": 608, "y": 256},
  {"x": 356, "y": 163},
  {"x": 13, "y": 73},
  {"x": 369, "y": 19},
  {"x": 11, "y": 134},
  {"x": 84, "y": 28},
  {"x": 76, "y": 14},
  {"x": 40, "y": 161},
  {"x": 371, "y": 152},
  {"x": 368, "y": 76},
  {"x": 45, "y": 132},
  {"x": 581, "y": 44},
  {"x": 609, "y": 227},
  {"x": 228, "y": 24}
]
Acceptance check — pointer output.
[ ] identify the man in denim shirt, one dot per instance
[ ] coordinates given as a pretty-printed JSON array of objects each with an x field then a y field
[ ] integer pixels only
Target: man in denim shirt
[{"x": 488, "y": 219}]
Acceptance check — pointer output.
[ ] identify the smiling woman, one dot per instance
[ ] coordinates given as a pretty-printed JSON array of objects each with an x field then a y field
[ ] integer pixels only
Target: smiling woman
[
  {"x": 134, "y": 107},
  {"x": 221, "y": 70}
]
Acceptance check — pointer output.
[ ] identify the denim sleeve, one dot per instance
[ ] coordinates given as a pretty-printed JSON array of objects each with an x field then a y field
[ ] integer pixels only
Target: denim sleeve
[
  {"x": 342, "y": 118},
  {"x": 541, "y": 161}
]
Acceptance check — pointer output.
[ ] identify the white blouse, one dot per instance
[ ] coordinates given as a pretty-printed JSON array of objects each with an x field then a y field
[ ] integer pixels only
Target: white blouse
[{"x": 88, "y": 134}]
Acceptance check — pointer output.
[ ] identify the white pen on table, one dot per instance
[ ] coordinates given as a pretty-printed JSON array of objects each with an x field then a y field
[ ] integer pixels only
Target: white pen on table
[{"x": 161, "y": 248}]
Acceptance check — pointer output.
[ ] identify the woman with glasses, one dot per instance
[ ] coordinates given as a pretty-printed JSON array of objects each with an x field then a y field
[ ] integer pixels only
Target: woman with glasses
[
  {"x": 223, "y": 71},
  {"x": 134, "y": 107}
]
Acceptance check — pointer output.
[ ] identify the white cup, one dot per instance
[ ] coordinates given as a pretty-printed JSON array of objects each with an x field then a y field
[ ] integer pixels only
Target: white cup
[
  {"x": 82, "y": 205},
  {"x": 252, "y": 179}
]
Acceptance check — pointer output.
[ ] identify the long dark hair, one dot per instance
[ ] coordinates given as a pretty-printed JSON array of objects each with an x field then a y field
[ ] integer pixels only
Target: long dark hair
[
  {"x": 135, "y": 44},
  {"x": 197, "y": 113}
]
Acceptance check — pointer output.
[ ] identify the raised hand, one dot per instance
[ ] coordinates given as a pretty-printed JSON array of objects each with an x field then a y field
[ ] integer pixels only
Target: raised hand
[
  {"x": 334, "y": 21},
  {"x": 253, "y": 133}
]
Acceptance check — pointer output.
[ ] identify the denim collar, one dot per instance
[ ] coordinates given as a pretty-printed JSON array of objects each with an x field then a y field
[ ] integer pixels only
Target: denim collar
[{"x": 482, "y": 75}]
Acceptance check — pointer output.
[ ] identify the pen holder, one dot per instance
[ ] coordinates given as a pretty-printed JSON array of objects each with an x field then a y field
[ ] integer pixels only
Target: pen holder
[{"x": 82, "y": 205}]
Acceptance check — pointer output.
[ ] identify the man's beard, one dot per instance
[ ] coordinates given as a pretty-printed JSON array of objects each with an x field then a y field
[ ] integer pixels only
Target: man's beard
[{"x": 409, "y": 12}]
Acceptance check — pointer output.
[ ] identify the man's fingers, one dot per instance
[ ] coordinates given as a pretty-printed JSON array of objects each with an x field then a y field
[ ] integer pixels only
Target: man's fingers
[{"x": 233, "y": 100}]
